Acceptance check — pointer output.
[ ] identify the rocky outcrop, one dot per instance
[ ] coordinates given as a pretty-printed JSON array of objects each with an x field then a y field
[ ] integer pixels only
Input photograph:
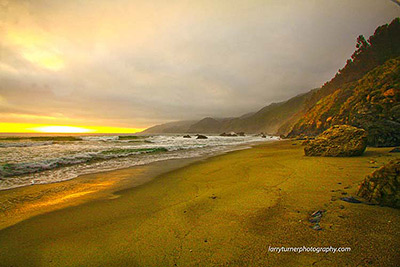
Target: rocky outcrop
[
  {"x": 187, "y": 136},
  {"x": 199, "y": 136},
  {"x": 383, "y": 185},
  {"x": 372, "y": 103},
  {"x": 231, "y": 134},
  {"x": 395, "y": 150},
  {"x": 338, "y": 141}
]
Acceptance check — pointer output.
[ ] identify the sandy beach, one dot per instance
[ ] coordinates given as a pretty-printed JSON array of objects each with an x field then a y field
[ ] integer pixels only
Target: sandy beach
[{"x": 227, "y": 210}]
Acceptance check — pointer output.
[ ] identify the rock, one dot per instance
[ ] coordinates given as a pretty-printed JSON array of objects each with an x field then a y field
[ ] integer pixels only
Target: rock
[
  {"x": 338, "y": 141},
  {"x": 383, "y": 185},
  {"x": 395, "y": 150},
  {"x": 231, "y": 134},
  {"x": 187, "y": 136},
  {"x": 351, "y": 200},
  {"x": 263, "y": 136},
  {"x": 317, "y": 213},
  {"x": 305, "y": 142},
  {"x": 199, "y": 136},
  {"x": 316, "y": 227},
  {"x": 240, "y": 134},
  {"x": 315, "y": 218}
]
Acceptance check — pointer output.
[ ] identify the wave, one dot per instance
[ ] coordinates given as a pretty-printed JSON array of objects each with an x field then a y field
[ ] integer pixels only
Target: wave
[
  {"x": 42, "y": 138},
  {"x": 15, "y": 169},
  {"x": 25, "y": 144}
]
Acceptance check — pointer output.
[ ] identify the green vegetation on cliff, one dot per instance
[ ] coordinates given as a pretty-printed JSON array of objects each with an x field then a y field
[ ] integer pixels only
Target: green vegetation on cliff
[
  {"x": 371, "y": 103},
  {"x": 364, "y": 93}
]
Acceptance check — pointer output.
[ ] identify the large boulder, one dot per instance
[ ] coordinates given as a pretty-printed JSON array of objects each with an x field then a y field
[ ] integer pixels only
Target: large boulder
[
  {"x": 383, "y": 185},
  {"x": 338, "y": 141}
]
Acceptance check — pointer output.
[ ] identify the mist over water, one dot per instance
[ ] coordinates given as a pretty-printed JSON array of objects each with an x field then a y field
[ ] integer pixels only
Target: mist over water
[{"x": 27, "y": 160}]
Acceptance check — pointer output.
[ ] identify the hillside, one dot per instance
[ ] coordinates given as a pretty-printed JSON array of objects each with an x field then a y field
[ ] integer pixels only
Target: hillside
[
  {"x": 268, "y": 120},
  {"x": 383, "y": 45},
  {"x": 304, "y": 114},
  {"x": 170, "y": 127},
  {"x": 371, "y": 103},
  {"x": 365, "y": 93}
]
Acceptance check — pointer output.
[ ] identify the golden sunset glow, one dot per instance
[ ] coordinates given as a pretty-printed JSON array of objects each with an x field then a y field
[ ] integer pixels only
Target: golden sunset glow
[
  {"x": 122, "y": 66},
  {"x": 44, "y": 59},
  {"x": 61, "y": 129},
  {"x": 38, "y": 128},
  {"x": 36, "y": 48}
]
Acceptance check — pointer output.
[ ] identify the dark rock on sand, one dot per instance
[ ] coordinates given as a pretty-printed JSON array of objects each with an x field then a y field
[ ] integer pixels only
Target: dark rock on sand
[
  {"x": 315, "y": 218},
  {"x": 187, "y": 136},
  {"x": 231, "y": 134},
  {"x": 338, "y": 141},
  {"x": 395, "y": 150},
  {"x": 351, "y": 200},
  {"x": 383, "y": 185},
  {"x": 199, "y": 136},
  {"x": 317, "y": 227}
]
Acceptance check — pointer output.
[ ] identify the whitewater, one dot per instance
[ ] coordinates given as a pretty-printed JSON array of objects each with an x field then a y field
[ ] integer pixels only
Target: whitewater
[{"x": 28, "y": 160}]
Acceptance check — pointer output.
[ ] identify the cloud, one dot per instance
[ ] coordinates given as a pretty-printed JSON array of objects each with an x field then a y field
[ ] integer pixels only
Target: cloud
[{"x": 136, "y": 63}]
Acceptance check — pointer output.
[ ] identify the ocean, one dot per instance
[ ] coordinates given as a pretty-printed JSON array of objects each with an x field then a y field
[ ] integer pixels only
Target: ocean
[{"x": 33, "y": 159}]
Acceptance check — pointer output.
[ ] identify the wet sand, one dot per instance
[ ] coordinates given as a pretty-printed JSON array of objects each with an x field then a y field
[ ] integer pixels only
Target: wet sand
[
  {"x": 226, "y": 210},
  {"x": 25, "y": 202}
]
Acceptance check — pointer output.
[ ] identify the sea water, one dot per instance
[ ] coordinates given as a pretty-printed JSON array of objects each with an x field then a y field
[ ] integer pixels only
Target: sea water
[{"x": 27, "y": 160}]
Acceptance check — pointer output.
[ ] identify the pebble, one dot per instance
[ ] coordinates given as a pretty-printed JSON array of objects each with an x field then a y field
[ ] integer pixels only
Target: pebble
[
  {"x": 350, "y": 200},
  {"x": 316, "y": 227},
  {"x": 316, "y": 218},
  {"x": 317, "y": 213}
]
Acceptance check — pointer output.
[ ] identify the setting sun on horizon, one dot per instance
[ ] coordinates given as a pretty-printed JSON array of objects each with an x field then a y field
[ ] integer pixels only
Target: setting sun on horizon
[
  {"x": 39, "y": 128},
  {"x": 61, "y": 129}
]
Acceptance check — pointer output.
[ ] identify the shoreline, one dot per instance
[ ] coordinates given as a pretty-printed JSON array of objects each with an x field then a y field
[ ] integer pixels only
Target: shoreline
[
  {"x": 225, "y": 210},
  {"x": 203, "y": 154},
  {"x": 21, "y": 203}
]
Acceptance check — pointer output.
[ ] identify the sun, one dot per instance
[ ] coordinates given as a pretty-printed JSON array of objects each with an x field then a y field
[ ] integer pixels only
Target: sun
[{"x": 61, "y": 129}]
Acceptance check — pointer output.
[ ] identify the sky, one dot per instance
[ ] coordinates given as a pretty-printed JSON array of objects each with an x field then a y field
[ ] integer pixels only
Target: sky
[{"x": 125, "y": 65}]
